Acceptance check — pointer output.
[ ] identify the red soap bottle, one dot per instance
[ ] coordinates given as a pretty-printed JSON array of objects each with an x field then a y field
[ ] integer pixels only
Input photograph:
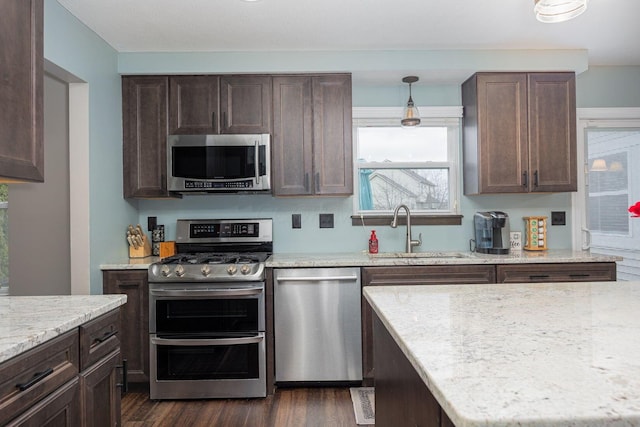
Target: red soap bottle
[{"x": 373, "y": 243}]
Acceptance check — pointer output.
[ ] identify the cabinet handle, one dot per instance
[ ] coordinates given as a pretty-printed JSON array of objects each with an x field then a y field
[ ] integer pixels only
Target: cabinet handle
[
  {"x": 213, "y": 121},
  {"x": 525, "y": 179},
  {"x": 577, "y": 275},
  {"x": 224, "y": 121},
  {"x": 125, "y": 382},
  {"x": 306, "y": 181},
  {"x": 317, "y": 182},
  {"x": 535, "y": 179},
  {"x": 37, "y": 377},
  {"x": 105, "y": 337}
]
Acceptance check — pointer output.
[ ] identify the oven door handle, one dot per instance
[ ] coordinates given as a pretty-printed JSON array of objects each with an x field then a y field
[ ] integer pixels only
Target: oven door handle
[
  {"x": 204, "y": 342},
  {"x": 197, "y": 293}
]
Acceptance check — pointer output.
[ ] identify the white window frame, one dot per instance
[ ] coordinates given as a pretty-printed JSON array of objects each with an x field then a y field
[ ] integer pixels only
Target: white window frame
[{"x": 390, "y": 116}]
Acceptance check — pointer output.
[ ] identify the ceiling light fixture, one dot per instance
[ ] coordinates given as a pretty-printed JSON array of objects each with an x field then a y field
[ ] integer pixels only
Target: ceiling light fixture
[
  {"x": 411, "y": 115},
  {"x": 551, "y": 11}
]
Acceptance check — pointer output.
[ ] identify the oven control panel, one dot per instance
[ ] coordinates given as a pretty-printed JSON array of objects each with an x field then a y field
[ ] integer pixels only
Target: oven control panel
[
  {"x": 224, "y": 230},
  {"x": 218, "y": 230}
]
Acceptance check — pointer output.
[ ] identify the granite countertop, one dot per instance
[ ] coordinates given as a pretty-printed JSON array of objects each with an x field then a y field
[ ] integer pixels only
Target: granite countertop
[
  {"x": 364, "y": 259},
  {"x": 544, "y": 354},
  {"x": 26, "y": 321}
]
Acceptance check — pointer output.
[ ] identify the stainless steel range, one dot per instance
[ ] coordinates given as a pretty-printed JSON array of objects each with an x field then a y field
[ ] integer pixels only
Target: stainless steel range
[{"x": 207, "y": 311}]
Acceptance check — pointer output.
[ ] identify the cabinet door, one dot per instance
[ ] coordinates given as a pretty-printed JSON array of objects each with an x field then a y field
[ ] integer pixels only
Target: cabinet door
[
  {"x": 502, "y": 133},
  {"x": 59, "y": 409},
  {"x": 100, "y": 401},
  {"x": 552, "y": 132},
  {"x": 21, "y": 91},
  {"x": 332, "y": 145},
  {"x": 414, "y": 275},
  {"x": 291, "y": 147},
  {"x": 144, "y": 122},
  {"x": 245, "y": 104},
  {"x": 194, "y": 106},
  {"x": 134, "y": 319}
]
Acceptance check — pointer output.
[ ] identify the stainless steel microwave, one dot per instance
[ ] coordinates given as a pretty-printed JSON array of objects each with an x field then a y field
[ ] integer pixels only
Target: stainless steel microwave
[{"x": 219, "y": 163}]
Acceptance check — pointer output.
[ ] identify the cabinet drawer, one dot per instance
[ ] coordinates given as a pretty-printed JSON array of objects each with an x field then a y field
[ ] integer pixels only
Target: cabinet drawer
[
  {"x": 60, "y": 408},
  {"x": 99, "y": 338},
  {"x": 428, "y": 275},
  {"x": 27, "y": 378},
  {"x": 567, "y": 272}
]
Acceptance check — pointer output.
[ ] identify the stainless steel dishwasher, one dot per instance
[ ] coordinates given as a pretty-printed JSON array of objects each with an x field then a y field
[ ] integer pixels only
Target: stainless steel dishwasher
[{"x": 317, "y": 325}]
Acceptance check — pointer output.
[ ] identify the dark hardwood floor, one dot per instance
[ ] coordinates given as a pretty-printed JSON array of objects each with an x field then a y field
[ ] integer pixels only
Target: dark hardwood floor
[{"x": 288, "y": 407}]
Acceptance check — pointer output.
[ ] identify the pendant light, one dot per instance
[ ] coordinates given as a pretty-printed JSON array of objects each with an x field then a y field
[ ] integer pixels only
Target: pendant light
[
  {"x": 551, "y": 11},
  {"x": 411, "y": 116}
]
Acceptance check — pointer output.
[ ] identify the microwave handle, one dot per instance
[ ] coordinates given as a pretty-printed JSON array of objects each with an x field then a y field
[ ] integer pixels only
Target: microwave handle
[{"x": 257, "y": 162}]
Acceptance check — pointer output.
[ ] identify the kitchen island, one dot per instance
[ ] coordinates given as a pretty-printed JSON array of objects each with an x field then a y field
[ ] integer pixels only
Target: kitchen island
[
  {"x": 60, "y": 360},
  {"x": 544, "y": 354}
]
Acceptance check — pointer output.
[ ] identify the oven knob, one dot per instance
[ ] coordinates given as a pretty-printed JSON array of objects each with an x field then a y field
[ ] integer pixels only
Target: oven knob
[
  {"x": 179, "y": 271},
  {"x": 165, "y": 270},
  {"x": 232, "y": 269},
  {"x": 245, "y": 269},
  {"x": 206, "y": 270}
]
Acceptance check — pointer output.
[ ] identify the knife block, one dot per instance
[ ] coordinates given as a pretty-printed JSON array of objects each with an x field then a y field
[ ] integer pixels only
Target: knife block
[{"x": 143, "y": 251}]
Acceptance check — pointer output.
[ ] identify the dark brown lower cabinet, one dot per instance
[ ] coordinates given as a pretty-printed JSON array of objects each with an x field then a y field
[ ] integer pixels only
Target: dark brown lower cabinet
[
  {"x": 134, "y": 321},
  {"x": 101, "y": 393},
  {"x": 556, "y": 272},
  {"x": 402, "y": 398},
  {"x": 71, "y": 380},
  {"x": 412, "y": 275}
]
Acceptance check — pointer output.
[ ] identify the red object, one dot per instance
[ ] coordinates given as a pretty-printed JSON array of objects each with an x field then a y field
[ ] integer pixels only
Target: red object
[
  {"x": 635, "y": 210},
  {"x": 373, "y": 243}
]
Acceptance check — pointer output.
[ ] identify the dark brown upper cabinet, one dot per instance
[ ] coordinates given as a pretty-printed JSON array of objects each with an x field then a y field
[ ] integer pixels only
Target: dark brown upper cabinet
[
  {"x": 312, "y": 148},
  {"x": 219, "y": 104},
  {"x": 144, "y": 123},
  {"x": 21, "y": 91},
  {"x": 519, "y": 132},
  {"x": 245, "y": 104}
]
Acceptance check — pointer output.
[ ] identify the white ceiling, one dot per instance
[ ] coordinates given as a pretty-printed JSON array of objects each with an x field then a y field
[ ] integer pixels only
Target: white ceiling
[{"x": 609, "y": 30}]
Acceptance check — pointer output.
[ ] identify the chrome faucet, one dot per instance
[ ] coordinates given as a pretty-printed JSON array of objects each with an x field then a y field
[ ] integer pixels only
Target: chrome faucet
[{"x": 410, "y": 243}]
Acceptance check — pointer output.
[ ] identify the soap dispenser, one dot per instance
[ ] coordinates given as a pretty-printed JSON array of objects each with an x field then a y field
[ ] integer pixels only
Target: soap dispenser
[{"x": 373, "y": 243}]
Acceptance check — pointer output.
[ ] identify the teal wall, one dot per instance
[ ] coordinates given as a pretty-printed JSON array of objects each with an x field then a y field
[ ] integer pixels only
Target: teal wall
[{"x": 70, "y": 45}]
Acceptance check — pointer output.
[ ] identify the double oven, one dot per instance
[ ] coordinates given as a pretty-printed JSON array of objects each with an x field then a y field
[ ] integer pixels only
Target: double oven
[{"x": 207, "y": 311}]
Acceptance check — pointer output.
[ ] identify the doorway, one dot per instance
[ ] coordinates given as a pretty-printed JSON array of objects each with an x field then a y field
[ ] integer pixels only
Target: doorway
[{"x": 611, "y": 183}]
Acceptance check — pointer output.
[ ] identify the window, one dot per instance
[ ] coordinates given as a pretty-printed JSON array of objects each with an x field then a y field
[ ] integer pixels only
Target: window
[{"x": 417, "y": 167}]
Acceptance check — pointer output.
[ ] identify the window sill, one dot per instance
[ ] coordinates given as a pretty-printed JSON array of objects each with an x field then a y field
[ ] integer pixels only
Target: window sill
[{"x": 402, "y": 220}]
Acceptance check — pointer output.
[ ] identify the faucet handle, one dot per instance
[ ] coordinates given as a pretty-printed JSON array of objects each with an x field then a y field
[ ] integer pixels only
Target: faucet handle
[{"x": 417, "y": 242}]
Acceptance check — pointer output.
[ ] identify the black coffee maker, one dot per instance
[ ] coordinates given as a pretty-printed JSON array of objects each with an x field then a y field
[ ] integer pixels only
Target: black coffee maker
[{"x": 492, "y": 232}]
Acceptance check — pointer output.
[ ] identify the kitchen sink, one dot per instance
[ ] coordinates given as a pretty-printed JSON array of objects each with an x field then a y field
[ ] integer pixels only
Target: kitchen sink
[{"x": 419, "y": 255}]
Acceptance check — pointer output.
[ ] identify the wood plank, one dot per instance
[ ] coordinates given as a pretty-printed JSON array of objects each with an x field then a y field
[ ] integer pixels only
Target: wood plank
[{"x": 310, "y": 407}]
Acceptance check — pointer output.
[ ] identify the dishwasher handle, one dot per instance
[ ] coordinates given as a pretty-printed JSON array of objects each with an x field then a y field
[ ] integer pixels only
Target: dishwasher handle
[{"x": 351, "y": 278}]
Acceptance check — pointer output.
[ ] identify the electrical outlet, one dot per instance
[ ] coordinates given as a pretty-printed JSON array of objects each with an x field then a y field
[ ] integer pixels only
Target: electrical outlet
[
  {"x": 296, "y": 221},
  {"x": 558, "y": 218},
  {"x": 326, "y": 220},
  {"x": 152, "y": 221}
]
